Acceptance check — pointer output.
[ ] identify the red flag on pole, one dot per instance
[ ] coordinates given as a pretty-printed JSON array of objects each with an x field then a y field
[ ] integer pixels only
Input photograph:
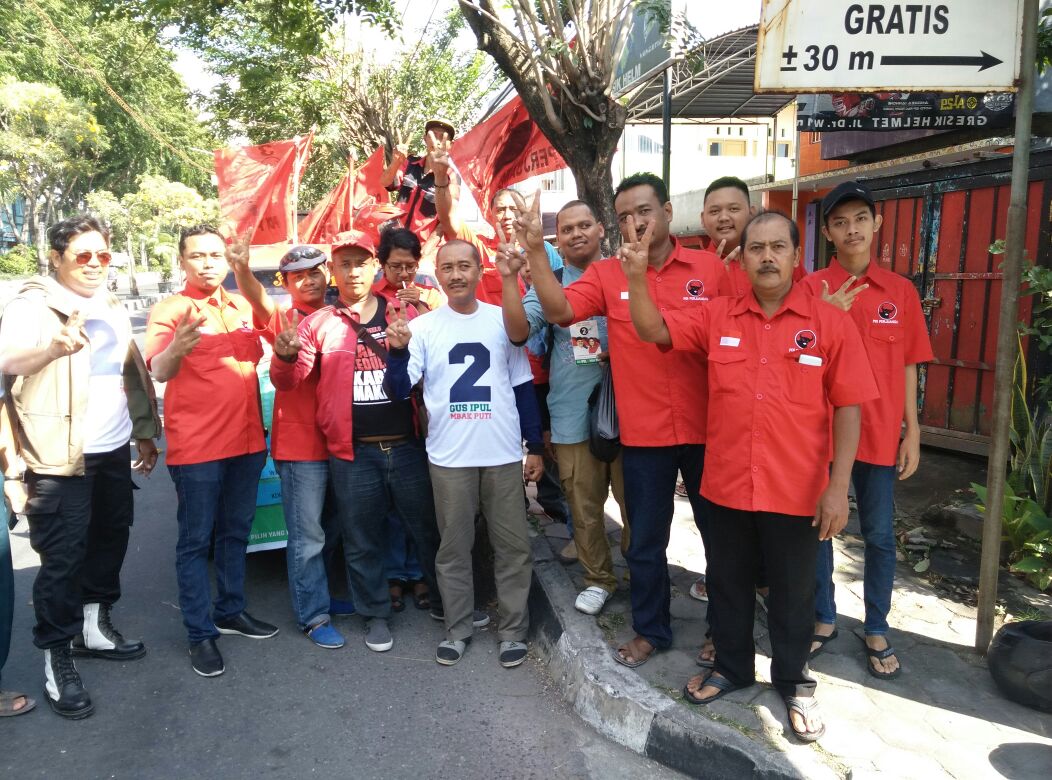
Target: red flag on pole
[
  {"x": 505, "y": 149},
  {"x": 331, "y": 216},
  {"x": 367, "y": 182},
  {"x": 256, "y": 187},
  {"x": 349, "y": 204}
]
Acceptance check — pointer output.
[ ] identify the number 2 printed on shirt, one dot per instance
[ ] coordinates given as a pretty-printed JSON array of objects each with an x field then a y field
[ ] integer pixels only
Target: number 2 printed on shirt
[{"x": 465, "y": 389}]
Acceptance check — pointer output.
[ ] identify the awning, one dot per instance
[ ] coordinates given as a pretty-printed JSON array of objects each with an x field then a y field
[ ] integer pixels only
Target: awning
[{"x": 722, "y": 87}]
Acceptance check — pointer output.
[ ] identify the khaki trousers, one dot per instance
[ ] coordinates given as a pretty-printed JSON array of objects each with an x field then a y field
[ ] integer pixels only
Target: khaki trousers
[
  {"x": 459, "y": 495},
  {"x": 587, "y": 482}
]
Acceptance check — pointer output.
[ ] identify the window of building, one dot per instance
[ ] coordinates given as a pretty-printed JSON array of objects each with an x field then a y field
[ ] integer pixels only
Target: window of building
[
  {"x": 783, "y": 150},
  {"x": 649, "y": 145},
  {"x": 727, "y": 148}
]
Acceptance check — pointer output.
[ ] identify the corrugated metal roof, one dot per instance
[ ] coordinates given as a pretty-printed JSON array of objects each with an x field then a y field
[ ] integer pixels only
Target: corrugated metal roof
[{"x": 721, "y": 87}]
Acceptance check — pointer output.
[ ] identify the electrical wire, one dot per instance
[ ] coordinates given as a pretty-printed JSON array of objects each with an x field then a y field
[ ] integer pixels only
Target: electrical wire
[{"x": 98, "y": 77}]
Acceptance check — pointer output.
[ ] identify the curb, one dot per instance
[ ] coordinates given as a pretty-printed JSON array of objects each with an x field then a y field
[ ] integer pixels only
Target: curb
[
  {"x": 622, "y": 706},
  {"x": 140, "y": 303}
]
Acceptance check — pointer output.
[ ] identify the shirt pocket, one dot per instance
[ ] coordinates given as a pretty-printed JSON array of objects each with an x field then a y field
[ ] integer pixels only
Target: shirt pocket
[
  {"x": 886, "y": 347},
  {"x": 804, "y": 383},
  {"x": 727, "y": 371}
]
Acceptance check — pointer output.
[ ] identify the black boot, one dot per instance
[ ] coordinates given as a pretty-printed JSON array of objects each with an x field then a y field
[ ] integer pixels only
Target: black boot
[
  {"x": 65, "y": 692},
  {"x": 99, "y": 639}
]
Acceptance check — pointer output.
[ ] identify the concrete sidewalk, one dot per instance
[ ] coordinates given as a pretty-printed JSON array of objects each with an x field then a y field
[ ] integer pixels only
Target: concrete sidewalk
[{"x": 941, "y": 718}]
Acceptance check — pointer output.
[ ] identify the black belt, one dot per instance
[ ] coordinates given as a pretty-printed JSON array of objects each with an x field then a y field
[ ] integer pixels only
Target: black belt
[{"x": 384, "y": 444}]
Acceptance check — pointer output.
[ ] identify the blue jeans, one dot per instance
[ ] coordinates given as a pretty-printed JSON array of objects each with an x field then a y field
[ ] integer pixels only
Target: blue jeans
[
  {"x": 312, "y": 526},
  {"x": 650, "y": 490},
  {"x": 216, "y": 495},
  {"x": 379, "y": 479},
  {"x": 875, "y": 495},
  {"x": 7, "y": 586},
  {"x": 402, "y": 561}
]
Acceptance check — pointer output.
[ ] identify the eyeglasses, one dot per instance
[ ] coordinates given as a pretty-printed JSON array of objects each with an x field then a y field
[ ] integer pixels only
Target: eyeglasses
[
  {"x": 83, "y": 258},
  {"x": 403, "y": 269}
]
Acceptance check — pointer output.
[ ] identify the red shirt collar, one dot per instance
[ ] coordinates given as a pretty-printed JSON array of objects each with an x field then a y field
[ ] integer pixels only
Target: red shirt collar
[
  {"x": 220, "y": 296},
  {"x": 874, "y": 275},
  {"x": 797, "y": 300}
]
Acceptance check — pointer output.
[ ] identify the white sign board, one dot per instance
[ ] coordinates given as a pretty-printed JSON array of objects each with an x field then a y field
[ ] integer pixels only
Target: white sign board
[{"x": 845, "y": 46}]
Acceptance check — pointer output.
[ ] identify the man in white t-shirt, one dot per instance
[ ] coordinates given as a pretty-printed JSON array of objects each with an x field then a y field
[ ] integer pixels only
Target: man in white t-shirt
[
  {"x": 80, "y": 392},
  {"x": 478, "y": 390}
]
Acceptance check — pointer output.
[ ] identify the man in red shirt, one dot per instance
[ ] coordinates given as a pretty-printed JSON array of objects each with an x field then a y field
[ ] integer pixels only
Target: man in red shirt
[
  {"x": 886, "y": 311},
  {"x": 661, "y": 397},
  {"x": 782, "y": 367},
  {"x": 377, "y": 462},
  {"x": 204, "y": 343},
  {"x": 298, "y": 448}
]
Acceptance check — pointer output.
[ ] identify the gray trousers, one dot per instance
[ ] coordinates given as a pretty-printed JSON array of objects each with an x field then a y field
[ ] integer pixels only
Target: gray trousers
[{"x": 459, "y": 494}]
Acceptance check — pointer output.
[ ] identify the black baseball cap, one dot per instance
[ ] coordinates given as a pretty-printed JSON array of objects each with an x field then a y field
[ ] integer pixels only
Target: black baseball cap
[
  {"x": 301, "y": 258},
  {"x": 848, "y": 190}
]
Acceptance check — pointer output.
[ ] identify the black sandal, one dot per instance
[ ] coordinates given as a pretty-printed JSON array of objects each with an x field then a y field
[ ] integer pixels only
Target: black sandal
[
  {"x": 724, "y": 685},
  {"x": 822, "y": 642},
  {"x": 880, "y": 655}
]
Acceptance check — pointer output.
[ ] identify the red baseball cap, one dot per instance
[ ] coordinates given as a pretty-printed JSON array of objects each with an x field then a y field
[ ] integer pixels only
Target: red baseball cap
[{"x": 354, "y": 238}]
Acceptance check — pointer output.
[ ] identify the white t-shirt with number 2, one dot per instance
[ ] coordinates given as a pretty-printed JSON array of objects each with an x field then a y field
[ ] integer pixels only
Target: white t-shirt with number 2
[{"x": 469, "y": 368}]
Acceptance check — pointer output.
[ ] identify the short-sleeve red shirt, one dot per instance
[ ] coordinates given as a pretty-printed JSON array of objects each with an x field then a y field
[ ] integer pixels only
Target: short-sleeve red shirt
[
  {"x": 211, "y": 407},
  {"x": 889, "y": 318},
  {"x": 661, "y": 395},
  {"x": 772, "y": 385}
]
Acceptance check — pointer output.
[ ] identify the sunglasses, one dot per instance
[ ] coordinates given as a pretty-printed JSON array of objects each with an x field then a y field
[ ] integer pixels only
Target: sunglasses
[{"x": 83, "y": 258}]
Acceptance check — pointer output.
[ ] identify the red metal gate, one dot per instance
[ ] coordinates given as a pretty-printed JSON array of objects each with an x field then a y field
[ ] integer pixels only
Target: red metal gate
[{"x": 938, "y": 234}]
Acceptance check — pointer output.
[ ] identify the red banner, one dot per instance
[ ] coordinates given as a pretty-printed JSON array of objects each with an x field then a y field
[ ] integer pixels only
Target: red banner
[
  {"x": 331, "y": 216},
  {"x": 256, "y": 184},
  {"x": 367, "y": 182},
  {"x": 505, "y": 149},
  {"x": 341, "y": 210}
]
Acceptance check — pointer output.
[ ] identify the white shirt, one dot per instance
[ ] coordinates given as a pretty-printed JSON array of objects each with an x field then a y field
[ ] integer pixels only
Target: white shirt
[
  {"x": 107, "y": 423},
  {"x": 469, "y": 368}
]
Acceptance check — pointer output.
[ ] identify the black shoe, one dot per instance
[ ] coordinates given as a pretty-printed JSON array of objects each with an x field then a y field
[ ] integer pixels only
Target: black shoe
[
  {"x": 63, "y": 687},
  {"x": 206, "y": 660},
  {"x": 100, "y": 639},
  {"x": 246, "y": 625}
]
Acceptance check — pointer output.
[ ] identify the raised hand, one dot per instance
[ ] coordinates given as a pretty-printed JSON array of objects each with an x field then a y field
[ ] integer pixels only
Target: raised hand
[
  {"x": 529, "y": 231},
  {"x": 237, "y": 249},
  {"x": 440, "y": 162},
  {"x": 508, "y": 259},
  {"x": 187, "y": 333},
  {"x": 635, "y": 252},
  {"x": 732, "y": 255},
  {"x": 398, "y": 333},
  {"x": 68, "y": 340},
  {"x": 287, "y": 343},
  {"x": 843, "y": 298}
]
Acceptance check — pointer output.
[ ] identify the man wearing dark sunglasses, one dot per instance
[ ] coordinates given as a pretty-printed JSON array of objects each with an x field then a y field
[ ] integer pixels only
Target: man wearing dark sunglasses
[{"x": 79, "y": 391}]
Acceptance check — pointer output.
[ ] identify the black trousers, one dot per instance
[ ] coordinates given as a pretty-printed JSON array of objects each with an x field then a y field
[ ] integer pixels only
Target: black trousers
[
  {"x": 79, "y": 526},
  {"x": 786, "y": 546}
]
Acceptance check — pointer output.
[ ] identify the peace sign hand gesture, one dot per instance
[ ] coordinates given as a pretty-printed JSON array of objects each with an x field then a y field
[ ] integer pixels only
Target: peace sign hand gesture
[
  {"x": 529, "y": 230},
  {"x": 68, "y": 340},
  {"x": 287, "y": 343},
  {"x": 187, "y": 333},
  {"x": 440, "y": 163},
  {"x": 237, "y": 252},
  {"x": 508, "y": 259},
  {"x": 843, "y": 298},
  {"x": 398, "y": 333},
  {"x": 635, "y": 252},
  {"x": 732, "y": 255}
]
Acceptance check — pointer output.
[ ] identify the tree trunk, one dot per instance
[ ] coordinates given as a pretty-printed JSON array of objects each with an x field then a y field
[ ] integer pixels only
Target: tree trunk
[{"x": 595, "y": 187}]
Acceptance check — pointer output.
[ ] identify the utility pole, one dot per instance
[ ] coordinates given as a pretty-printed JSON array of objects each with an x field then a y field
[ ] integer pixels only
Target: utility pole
[{"x": 1004, "y": 370}]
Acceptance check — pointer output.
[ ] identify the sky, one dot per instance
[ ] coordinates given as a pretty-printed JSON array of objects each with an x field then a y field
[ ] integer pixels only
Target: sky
[{"x": 710, "y": 17}]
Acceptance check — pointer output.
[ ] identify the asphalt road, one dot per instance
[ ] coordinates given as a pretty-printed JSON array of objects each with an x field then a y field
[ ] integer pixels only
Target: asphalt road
[{"x": 286, "y": 708}]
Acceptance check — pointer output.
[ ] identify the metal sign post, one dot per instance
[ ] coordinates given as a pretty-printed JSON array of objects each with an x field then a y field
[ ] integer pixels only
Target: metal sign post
[
  {"x": 844, "y": 46},
  {"x": 1004, "y": 369}
]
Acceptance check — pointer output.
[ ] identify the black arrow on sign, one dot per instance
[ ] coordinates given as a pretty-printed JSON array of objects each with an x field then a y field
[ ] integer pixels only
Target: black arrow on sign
[{"x": 984, "y": 62}]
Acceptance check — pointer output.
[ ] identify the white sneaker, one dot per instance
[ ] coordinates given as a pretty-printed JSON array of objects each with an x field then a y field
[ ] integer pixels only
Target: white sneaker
[{"x": 591, "y": 600}]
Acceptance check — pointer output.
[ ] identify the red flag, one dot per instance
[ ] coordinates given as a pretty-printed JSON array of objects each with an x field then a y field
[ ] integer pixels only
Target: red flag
[
  {"x": 256, "y": 185},
  {"x": 505, "y": 149},
  {"x": 331, "y": 216},
  {"x": 367, "y": 182}
]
